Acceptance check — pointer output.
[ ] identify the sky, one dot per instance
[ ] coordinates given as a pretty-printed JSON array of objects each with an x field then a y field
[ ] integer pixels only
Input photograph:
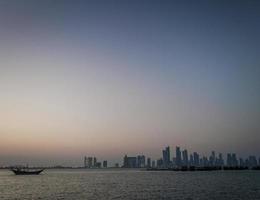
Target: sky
[{"x": 108, "y": 78}]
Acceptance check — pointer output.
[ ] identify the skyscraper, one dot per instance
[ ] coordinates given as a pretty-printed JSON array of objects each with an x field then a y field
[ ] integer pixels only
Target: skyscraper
[
  {"x": 130, "y": 162},
  {"x": 174, "y": 162},
  {"x": 105, "y": 164},
  {"x": 166, "y": 157},
  {"x": 90, "y": 162},
  {"x": 196, "y": 158},
  {"x": 98, "y": 165},
  {"x": 178, "y": 157},
  {"x": 95, "y": 162},
  {"x": 125, "y": 161},
  {"x": 212, "y": 159},
  {"x": 85, "y": 161},
  {"x": 205, "y": 161},
  {"x": 159, "y": 163},
  {"x": 149, "y": 162},
  {"x": 153, "y": 164},
  {"x": 220, "y": 162},
  {"x": 140, "y": 161},
  {"x": 234, "y": 160},
  {"x": 185, "y": 161},
  {"x": 241, "y": 162},
  {"x": 252, "y": 161},
  {"x": 191, "y": 163},
  {"x": 229, "y": 160}
]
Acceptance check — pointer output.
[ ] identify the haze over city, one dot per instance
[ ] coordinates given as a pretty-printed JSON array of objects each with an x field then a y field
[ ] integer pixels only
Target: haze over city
[{"x": 107, "y": 79}]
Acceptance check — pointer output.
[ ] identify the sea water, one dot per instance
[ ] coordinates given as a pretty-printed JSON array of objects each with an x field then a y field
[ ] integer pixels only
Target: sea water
[{"x": 80, "y": 184}]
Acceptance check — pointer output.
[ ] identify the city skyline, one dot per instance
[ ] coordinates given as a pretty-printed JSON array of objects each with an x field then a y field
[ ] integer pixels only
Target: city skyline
[
  {"x": 184, "y": 158},
  {"x": 181, "y": 157},
  {"x": 97, "y": 78}
]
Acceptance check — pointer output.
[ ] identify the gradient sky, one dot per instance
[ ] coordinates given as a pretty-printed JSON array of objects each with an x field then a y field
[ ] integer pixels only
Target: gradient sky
[{"x": 107, "y": 78}]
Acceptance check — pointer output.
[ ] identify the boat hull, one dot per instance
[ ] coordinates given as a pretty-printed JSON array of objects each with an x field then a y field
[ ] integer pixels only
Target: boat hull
[{"x": 22, "y": 172}]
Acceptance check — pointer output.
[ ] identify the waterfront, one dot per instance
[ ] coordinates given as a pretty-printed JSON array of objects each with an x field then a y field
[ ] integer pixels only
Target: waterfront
[{"x": 131, "y": 184}]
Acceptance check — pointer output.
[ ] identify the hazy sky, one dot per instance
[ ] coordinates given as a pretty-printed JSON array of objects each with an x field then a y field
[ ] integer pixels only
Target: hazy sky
[{"x": 107, "y": 78}]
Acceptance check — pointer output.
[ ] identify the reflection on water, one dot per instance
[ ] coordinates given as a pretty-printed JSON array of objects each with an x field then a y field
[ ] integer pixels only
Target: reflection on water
[{"x": 131, "y": 184}]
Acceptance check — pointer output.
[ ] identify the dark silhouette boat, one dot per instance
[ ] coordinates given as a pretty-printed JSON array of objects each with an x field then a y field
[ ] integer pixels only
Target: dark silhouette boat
[{"x": 26, "y": 171}]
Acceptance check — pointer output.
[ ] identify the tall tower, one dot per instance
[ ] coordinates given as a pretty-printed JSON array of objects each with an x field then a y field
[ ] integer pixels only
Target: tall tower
[
  {"x": 149, "y": 162},
  {"x": 95, "y": 162},
  {"x": 185, "y": 158},
  {"x": 166, "y": 157},
  {"x": 85, "y": 162},
  {"x": 196, "y": 159},
  {"x": 178, "y": 157}
]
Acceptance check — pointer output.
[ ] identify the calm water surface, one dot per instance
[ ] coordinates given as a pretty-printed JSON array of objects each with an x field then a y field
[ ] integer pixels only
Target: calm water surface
[{"x": 131, "y": 184}]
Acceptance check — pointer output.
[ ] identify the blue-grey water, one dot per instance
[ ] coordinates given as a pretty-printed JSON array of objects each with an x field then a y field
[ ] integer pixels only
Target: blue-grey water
[{"x": 131, "y": 184}]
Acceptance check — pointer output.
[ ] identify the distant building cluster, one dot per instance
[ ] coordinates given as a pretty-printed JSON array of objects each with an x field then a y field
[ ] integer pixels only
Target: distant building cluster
[
  {"x": 92, "y": 162},
  {"x": 183, "y": 159},
  {"x": 135, "y": 162}
]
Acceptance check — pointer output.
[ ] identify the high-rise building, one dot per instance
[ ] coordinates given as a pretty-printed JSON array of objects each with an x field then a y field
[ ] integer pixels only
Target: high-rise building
[
  {"x": 252, "y": 161},
  {"x": 95, "y": 162},
  {"x": 191, "y": 163},
  {"x": 149, "y": 163},
  {"x": 85, "y": 161},
  {"x": 212, "y": 159},
  {"x": 220, "y": 160},
  {"x": 153, "y": 164},
  {"x": 196, "y": 158},
  {"x": 105, "y": 164},
  {"x": 185, "y": 159},
  {"x": 234, "y": 160},
  {"x": 166, "y": 157},
  {"x": 205, "y": 161},
  {"x": 90, "y": 162},
  {"x": 159, "y": 163},
  {"x": 201, "y": 162},
  {"x": 229, "y": 160},
  {"x": 241, "y": 162},
  {"x": 143, "y": 161},
  {"x": 98, "y": 165},
  {"x": 130, "y": 162},
  {"x": 140, "y": 161},
  {"x": 174, "y": 162},
  {"x": 247, "y": 162},
  {"x": 125, "y": 161},
  {"x": 178, "y": 157}
]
